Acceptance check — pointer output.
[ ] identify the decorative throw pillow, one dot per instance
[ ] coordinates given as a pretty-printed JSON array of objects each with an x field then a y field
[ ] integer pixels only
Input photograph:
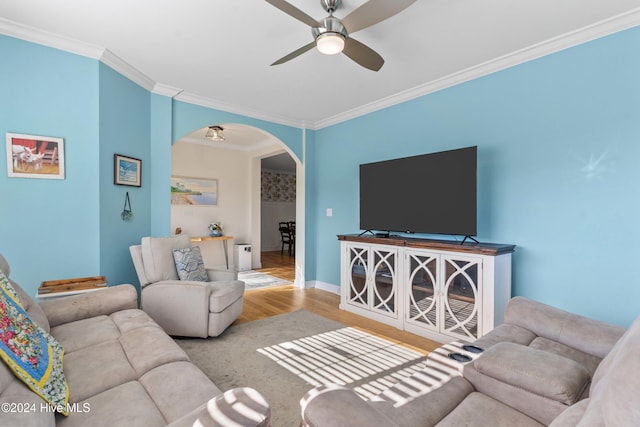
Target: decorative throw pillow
[
  {"x": 32, "y": 353},
  {"x": 189, "y": 264}
]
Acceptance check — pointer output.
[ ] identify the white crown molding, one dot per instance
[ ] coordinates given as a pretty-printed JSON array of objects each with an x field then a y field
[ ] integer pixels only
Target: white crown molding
[
  {"x": 166, "y": 90},
  {"x": 600, "y": 29},
  {"x": 202, "y": 101},
  {"x": 118, "y": 64},
  {"x": 45, "y": 38}
]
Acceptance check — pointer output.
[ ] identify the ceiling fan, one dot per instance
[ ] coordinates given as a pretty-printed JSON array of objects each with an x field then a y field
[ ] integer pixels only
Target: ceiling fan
[{"x": 332, "y": 35}]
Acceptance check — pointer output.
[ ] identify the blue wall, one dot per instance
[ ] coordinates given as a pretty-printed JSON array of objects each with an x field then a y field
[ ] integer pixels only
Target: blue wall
[
  {"x": 58, "y": 229},
  {"x": 160, "y": 166},
  {"x": 189, "y": 117},
  {"x": 184, "y": 118},
  {"x": 124, "y": 129},
  {"x": 50, "y": 229},
  {"x": 558, "y": 144}
]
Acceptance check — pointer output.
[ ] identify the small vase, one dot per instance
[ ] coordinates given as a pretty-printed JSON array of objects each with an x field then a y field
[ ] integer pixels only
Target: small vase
[{"x": 215, "y": 233}]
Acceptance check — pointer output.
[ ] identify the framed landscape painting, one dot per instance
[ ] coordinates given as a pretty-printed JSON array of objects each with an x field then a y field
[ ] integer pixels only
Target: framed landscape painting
[
  {"x": 127, "y": 171},
  {"x": 194, "y": 191},
  {"x": 31, "y": 156}
]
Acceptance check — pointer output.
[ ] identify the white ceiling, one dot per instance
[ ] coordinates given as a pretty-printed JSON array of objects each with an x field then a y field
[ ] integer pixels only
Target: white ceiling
[
  {"x": 217, "y": 53},
  {"x": 246, "y": 138},
  {"x": 236, "y": 137}
]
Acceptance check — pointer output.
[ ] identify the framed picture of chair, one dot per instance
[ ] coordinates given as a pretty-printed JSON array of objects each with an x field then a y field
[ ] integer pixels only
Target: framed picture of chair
[{"x": 32, "y": 156}]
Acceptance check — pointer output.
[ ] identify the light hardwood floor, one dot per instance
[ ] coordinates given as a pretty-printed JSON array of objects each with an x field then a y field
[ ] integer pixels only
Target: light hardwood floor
[{"x": 261, "y": 303}]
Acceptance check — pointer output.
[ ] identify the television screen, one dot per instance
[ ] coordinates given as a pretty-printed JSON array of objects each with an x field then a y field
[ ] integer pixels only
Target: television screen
[{"x": 431, "y": 193}]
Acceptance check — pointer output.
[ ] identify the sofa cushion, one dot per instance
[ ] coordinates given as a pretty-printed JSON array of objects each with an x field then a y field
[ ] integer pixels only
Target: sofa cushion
[
  {"x": 588, "y": 361},
  {"x": 137, "y": 342},
  {"x": 92, "y": 370},
  {"x": 84, "y": 333},
  {"x": 189, "y": 264},
  {"x": 414, "y": 407},
  {"x": 18, "y": 394},
  {"x": 542, "y": 373},
  {"x": 184, "y": 393},
  {"x": 127, "y": 404},
  {"x": 30, "y": 351},
  {"x": 128, "y": 320},
  {"x": 479, "y": 409},
  {"x": 157, "y": 256},
  {"x": 241, "y": 406}
]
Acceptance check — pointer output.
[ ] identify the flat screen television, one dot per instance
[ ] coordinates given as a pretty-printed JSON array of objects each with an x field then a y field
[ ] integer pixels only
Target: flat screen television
[{"x": 430, "y": 194}]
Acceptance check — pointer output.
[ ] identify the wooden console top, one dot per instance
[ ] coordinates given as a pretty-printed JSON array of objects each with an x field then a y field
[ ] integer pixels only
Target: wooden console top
[{"x": 447, "y": 245}]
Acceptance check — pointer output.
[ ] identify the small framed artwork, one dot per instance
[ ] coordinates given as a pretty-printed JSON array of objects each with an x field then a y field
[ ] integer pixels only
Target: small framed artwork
[
  {"x": 127, "y": 171},
  {"x": 191, "y": 191},
  {"x": 31, "y": 156}
]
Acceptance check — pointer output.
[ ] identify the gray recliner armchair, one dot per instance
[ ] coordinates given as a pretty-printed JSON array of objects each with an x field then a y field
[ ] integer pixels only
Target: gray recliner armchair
[{"x": 184, "y": 307}]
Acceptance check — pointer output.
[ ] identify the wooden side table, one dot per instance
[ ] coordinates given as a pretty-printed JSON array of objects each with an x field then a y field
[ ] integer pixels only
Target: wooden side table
[
  {"x": 223, "y": 239},
  {"x": 66, "y": 287}
]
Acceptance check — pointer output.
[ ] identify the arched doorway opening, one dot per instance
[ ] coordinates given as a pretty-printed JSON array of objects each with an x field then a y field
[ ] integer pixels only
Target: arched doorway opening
[{"x": 234, "y": 166}]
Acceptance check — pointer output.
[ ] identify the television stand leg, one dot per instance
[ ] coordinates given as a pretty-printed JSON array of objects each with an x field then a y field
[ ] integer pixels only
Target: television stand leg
[
  {"x": 365, "y": 232},
  {"x": 468, "y": 237}
]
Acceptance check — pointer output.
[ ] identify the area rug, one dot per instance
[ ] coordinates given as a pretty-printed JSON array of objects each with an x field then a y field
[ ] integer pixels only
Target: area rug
[
  {"x": 237, "y": 358},
  {"x": 345, "y": 356},
  {"x": 255, "y": 280}
]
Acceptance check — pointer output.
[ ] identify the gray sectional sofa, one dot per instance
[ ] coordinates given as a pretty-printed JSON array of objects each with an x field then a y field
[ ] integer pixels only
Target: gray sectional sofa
[
  {"x": 543, "y": 366},
  {"x": 122, "y": 369}
]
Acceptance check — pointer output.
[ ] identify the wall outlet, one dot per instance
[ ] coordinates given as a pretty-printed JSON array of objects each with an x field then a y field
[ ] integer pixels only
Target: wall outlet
[{"x": 329, "y": 212}]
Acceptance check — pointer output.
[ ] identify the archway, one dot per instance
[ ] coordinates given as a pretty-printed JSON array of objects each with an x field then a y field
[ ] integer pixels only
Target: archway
[{"x": 234, "y": 164}]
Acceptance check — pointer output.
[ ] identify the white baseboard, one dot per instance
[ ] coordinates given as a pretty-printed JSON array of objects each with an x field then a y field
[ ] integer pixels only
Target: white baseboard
[{"x": 323, "y": 286}]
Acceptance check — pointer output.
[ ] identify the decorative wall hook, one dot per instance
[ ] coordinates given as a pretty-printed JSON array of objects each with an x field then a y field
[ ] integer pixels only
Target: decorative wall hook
[{"x": 127, "y": 213}]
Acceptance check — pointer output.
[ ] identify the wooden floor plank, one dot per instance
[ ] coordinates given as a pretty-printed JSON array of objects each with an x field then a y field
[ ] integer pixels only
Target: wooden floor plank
[{"x": 261, "y": 303}]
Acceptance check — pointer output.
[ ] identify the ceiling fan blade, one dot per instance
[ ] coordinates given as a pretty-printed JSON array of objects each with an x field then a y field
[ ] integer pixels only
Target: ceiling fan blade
[
  {"x": 291, "y": 10},
  {"x": 362, "y": 54},
  {"x": 295, "y": 53},
  {"x": 372, "y": 12}
]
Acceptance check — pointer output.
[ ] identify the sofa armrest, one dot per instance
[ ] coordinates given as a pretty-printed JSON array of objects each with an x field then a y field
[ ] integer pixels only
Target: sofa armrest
[
  {"x": 217, "y": 275},
  {"x": 180, "y": 307},
  {"x": 242, "y": 406},
  {"x": 582, "y": 333},
  {"x": 338, "y": 406},
  {"x": 101, "y": 302}
]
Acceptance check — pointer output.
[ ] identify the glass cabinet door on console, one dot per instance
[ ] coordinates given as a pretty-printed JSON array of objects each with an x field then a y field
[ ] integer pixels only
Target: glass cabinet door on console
[
  {"x": 422, "y": 276},
  {"x": 443, "y": 293},
  {"x": 461, "y": 296},
  {"x": 372, "y": 281},
  {"x": 358, "y": 276}
]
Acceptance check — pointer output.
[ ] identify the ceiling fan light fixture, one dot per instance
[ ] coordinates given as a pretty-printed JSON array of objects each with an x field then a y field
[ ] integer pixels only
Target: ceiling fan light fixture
[
  {"x": 331, "y": 36},
  {"x": 215, "y": 133},
  {"x": 330, "y": 43}
]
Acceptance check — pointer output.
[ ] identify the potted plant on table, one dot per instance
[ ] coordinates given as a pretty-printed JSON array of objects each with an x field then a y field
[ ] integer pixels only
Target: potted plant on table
[{"x": 216, "y": 229}]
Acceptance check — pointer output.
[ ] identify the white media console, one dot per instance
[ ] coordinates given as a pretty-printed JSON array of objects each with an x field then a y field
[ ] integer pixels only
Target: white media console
[{"x": 438, "y": 289}]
